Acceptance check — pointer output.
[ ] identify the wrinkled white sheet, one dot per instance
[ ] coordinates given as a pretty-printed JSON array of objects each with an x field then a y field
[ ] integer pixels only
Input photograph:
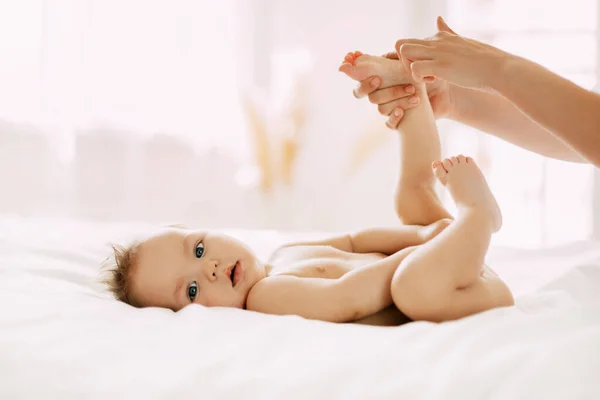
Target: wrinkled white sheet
[{"x": 62, "y": 337}]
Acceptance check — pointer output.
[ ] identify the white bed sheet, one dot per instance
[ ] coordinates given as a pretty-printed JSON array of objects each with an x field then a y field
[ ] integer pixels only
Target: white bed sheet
[{"x": 62, "y": 337}]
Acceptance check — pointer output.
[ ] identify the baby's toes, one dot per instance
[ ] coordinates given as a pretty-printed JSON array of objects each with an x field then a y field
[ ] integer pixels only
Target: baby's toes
[
  {"x": 461, "y": 159},
  {"x": 347, "y": 68},
  {"x": 439, "y": 171},
  {"x": 454, "y": 160},
  {"x": 447, "y": 164}
]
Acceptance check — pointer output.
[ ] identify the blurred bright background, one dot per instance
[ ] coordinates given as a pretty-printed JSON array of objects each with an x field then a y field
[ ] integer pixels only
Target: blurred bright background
[{"x": 231, "y": 113}]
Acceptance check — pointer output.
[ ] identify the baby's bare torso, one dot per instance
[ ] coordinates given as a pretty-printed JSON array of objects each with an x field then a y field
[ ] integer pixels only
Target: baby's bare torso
[{"x": 326, "y": 262}]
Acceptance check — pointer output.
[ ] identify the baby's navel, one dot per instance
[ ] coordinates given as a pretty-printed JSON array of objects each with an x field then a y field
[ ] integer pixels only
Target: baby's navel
[{"x": 321, "y": 269}]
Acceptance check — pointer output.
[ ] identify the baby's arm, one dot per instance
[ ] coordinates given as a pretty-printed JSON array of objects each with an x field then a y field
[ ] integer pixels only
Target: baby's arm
[
  {"x": 312, "y": 298},
  {"x": 391, "y": 240},
  {"x": 380, "y": 240},
  {"x": 354, "y": 296}
]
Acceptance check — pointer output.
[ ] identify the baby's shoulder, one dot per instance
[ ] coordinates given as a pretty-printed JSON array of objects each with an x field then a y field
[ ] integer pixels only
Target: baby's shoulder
[{"x": 265, "y": 291}]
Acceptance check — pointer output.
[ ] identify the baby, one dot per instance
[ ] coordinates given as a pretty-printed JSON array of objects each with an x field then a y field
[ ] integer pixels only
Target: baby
[{"x": 430, "y": 268}]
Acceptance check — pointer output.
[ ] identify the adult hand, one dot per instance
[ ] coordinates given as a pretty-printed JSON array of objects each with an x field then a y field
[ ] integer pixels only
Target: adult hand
[
  {"x": 393, "y": 103},
  {"x": 439, "y": 91},
  {"x": 451, "y": 57}
]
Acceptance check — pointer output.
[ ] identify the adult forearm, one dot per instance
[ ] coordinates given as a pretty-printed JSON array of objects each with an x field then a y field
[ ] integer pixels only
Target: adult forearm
[
  {"x": 569, "y": 112},
  {"x": 494, "y": 114}
]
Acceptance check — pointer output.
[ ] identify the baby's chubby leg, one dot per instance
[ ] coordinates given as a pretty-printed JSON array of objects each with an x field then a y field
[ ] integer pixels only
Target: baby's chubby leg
[
  {"x": 416, "y": 201},
  {"x": 442, "y": 280}
]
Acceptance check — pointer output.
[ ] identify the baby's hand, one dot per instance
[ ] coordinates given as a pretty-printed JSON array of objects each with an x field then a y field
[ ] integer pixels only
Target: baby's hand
[{"x": 432, "y": 230}]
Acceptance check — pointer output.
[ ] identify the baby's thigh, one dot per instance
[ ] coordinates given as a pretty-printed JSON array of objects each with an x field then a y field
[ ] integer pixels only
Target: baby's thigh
[
  {"x": 434, "y": 303},
  {"x": 488, "y": 292}
]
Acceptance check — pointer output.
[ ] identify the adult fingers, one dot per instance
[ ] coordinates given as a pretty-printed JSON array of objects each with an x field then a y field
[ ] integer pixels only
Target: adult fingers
[
  {"x": 387, "y": 95},
  {"x": 422, "y": 69},
  {"x": 416, "y": 52},
  {"x": 367, "y": 86},
  {"x": 394, "y": 120},
  {"x": 443, "y": 26},
  {"x": 404, "y": 103},
  {"x": 402, "y": 42}
]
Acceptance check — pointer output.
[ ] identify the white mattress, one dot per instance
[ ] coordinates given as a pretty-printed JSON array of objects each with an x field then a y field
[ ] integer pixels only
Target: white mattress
[{"x": 62, "y": 337}]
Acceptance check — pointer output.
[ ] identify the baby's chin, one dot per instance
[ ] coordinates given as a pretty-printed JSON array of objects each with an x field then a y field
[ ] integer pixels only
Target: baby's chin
[
  {"x": 238, "y": 302},
  {"x": 242, "y": 303}
]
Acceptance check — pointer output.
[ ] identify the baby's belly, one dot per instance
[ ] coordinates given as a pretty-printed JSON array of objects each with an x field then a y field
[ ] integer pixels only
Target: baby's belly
[
  {"x": 332, "y": 267},
  {"x": 328, "y": 268}
]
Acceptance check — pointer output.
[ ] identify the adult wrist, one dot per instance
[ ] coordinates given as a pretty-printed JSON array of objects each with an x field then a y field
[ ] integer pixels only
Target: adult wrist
[
  {"x": 503, "y": 73},
  {"x": 458, "y": 102}
]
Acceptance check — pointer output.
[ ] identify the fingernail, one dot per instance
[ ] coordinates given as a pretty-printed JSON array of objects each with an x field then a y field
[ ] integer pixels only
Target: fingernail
[
  {"x": 375, "y": 82},
  {"x": 413, "y": 100},
  {"x": 410, "y": 89},
  {"x": 397, "y": 112}
]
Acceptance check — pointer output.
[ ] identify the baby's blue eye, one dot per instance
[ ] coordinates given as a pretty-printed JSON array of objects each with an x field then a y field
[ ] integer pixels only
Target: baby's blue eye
[
  {"x": 199, "y": 250},
  {"x": 192, "y": 291}
]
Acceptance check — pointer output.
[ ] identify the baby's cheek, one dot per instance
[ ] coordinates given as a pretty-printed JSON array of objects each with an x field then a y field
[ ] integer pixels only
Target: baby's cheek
[
  {"x": 212, "y": 301},
  {"x": 207, "y": 303}
]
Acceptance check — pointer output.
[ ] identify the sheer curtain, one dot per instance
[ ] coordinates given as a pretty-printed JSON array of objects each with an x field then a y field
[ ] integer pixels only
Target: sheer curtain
[
  {"x": 144, "y": 66},
  {"x": 111, "y": 109},
  {"x": 136, "y": 110}
]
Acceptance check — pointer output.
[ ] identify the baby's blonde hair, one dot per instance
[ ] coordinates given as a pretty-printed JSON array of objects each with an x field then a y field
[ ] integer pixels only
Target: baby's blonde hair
[
  {"x": 122, "y": 263},
  {"x": 119, "y": 271}
]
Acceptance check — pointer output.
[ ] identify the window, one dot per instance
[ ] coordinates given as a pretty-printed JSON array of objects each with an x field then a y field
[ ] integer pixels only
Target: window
[
  {"x": 119, "y": 109},
  {"x": 142, "y": 66},
  {"x": 544, "y": 202}
]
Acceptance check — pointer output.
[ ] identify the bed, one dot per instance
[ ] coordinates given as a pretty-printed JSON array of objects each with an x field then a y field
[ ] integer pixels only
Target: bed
[{"x": 62, "y": 336}]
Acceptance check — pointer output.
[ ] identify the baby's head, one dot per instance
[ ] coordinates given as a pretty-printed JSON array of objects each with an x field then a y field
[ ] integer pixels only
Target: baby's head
[{"x": 175, "y": 267}]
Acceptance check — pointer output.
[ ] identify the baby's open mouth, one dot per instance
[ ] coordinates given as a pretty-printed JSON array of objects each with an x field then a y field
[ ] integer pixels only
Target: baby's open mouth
[{"x": 230, "y": 272}]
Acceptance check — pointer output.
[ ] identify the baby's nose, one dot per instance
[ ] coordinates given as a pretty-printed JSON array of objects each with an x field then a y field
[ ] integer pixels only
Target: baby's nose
[{"x": 211, "y": 270}]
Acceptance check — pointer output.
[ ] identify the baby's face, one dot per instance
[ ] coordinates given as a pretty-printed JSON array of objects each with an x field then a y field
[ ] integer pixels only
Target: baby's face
[{"x": 177, "y": 267}]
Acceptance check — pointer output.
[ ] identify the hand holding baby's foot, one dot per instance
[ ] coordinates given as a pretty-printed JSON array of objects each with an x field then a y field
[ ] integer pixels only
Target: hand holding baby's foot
[
  {"x": 359, "y": 66},
  {"x": 468, "y": 187}
]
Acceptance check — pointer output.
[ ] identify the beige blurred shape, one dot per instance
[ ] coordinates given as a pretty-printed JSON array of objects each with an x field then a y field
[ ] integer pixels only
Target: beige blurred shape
[{"x": 374, "y": 138}]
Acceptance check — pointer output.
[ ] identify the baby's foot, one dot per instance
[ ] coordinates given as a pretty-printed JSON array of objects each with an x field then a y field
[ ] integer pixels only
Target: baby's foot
[
  {"x": 359, "y": 66},
  {"x": 467, "y": 186}
]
